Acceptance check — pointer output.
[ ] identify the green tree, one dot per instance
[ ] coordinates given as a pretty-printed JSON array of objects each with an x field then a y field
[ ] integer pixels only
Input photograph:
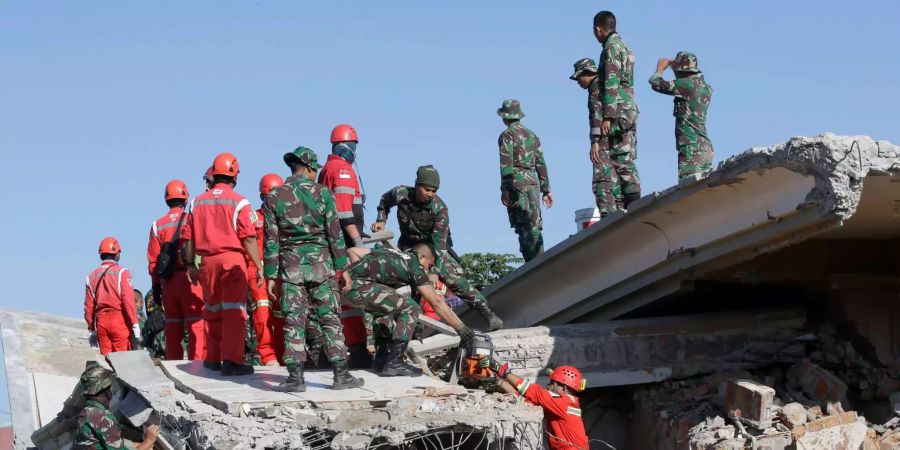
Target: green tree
[{"x": 482, "y": 269}]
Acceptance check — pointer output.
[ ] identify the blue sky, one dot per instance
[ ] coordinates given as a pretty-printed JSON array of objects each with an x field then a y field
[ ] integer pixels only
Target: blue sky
[{"x": 103, "y": 103}]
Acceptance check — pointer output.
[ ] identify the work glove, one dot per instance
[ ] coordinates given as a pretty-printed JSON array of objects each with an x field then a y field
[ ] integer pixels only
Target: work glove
[
  {"x": 136, "y": 332},
  {"x": 496, "y": 366},
  {"x": 465, "y": 333},
  {"x": 92, "y": 341}
]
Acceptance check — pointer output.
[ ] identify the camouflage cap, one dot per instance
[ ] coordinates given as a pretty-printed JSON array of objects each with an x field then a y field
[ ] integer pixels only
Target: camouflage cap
[
  {"x": 511, "y": 109},
  {"x": 95, "y": 378},
  {"x": 428, "y": 176},
  {"x": 304, "y": 156},
  {"x": 685, "y": 62},
  {"x": 583, "y": 65}
]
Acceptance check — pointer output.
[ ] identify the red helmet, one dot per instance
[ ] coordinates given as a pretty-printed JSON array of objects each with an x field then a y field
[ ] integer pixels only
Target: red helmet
[
  {"x": 343, "y": 133},
  {"x": 110, "y": 245},
  {"x": 568, "y": 376},
  {"x": 268, "y": 182},
  {"x": 176, "y": 189},
  {"x": 207, "y": 177},
  {"x": 226, "y": 164}
]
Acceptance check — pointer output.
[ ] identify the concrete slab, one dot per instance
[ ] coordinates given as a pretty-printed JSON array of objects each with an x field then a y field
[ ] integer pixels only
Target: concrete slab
[
  {"x": 231, "y": 393},
  {"x": 51, "y": 391}
]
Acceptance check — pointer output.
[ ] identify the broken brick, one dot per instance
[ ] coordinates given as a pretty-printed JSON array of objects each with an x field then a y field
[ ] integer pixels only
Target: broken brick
[
  {"x": 752, "y": 399},
  {"x": 816, "y": 382}
]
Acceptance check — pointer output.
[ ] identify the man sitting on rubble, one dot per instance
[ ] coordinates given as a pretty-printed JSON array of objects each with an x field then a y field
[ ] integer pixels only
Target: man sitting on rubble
[
  {"x": 375, "y": 275},
  {"x": 97, "y": 426},
  {"x": 562, "y": 410}
]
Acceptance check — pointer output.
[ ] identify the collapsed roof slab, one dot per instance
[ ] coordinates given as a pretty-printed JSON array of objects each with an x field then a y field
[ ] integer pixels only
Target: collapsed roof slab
[{"x": 756, "y": 202}]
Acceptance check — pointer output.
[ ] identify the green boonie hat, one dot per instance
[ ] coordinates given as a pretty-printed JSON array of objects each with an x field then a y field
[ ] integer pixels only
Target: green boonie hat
[
  {"x": 583, "y": 65},
  {"x": 511, "y": 109},
  {"x": 304, "y": 156},
  {"x": 95, "y": 379},
  {"x": 428, "y": 176},
  {"x": 685, "y": 62}
]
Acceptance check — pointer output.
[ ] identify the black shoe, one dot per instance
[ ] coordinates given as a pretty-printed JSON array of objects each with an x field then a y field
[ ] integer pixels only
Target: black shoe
[
  {"x": 494, "y": 322},
  {"x": 360, "y": 358},
  {"x": 231, "y": 369},
  {"x": 212, "y": 365},
  {"x": 294, "y": 382},
  {"x": 395, "y": 366},
  {"x": 381, "y": 357},
  {"x": 342, "y": 377}
]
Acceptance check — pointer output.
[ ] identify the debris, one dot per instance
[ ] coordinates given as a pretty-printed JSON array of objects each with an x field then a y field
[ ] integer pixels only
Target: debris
[
  {"x": 751, "y": 400},
  {"x": 816, "y": 382}
]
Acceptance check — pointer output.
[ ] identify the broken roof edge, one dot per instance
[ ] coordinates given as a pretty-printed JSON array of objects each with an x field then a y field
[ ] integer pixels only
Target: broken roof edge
[{"x": 811, "y": 186}]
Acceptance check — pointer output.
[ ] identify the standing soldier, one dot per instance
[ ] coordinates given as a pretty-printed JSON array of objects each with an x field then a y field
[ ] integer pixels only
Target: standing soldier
[
  {"x": 304, "y": 248},
  {"x": 523, "y": 178},
  {"x": 109, "y": 302},
  {"x": 338, "y": 175},
  {"x": 614, "y": 116},
  {"x": 97, "y": 427},
  {"x": 181, "y": 299},
  {"x": 376, "y": 275},
  {"x": 268, "y": 322},
  {"x": 221, "y": 231},
  {"x": 692, "y": 97},
  {"x": 423, "y": 217}
]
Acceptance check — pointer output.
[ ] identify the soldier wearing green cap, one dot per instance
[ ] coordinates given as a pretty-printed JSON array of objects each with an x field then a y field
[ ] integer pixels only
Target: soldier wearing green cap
[
  {"x": 423, "y": 217},
  {"x": 523, "y": 179},
  {"x": 692, "y": 96},
  {"x": 304, "y": 248},
  {"x": 97, "y": 426}
]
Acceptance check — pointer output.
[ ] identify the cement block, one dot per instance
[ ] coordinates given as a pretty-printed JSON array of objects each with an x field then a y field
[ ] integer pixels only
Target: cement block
[
  {"x": 816, "y": 382},
  {"x": 754, "y": 401},
  {"x": 793, "y": 415}
]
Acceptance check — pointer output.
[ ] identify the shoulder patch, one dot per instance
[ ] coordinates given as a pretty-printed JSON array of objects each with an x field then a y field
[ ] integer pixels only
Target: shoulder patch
[{"x": 344, "y": 174}]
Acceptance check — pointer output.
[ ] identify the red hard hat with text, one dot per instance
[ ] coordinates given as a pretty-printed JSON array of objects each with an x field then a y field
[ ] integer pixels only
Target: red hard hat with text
[
  {"x": 343, "y": 133},
  {"x": 568, "y": 376},
  {"x": 268, "y": 182},
  {"x": 176, "y": 189},
  {"x": 226, "y": 164},
  {"x": 110, "y": 245}
]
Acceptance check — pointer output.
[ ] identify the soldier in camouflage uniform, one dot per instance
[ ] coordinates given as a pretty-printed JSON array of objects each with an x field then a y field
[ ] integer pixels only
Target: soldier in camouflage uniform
[
  {"x": 97, "y": 426},
  {"x": 692, "y": 96},
  {"x": 376, "y": 275},
  {"x": 304, "y": 247},
  {"x": 523, "y": 178},
  {"x": 423, "y": 217}
]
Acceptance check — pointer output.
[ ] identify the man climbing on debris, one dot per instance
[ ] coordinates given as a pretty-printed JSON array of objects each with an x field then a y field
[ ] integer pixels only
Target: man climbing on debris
[
  {"x": 268, "y": 321},
  {"x": 613, "y": 116},
  {"x": 339, "y": 176},
  {"x": 523, "y": 179},
  {"x": 220, "y": 230},
  {"x": 305, "y": 249},
  {"x": 109, "y": 302},
  {"x": 376, "y": 275},
  {"x": 423, "y": 217},
  {"x": 692, "y": 96},
  {"x": 562, "y": 409},
  {"x": 181, "y": 299},
  {"x": 97, "y": 426}
]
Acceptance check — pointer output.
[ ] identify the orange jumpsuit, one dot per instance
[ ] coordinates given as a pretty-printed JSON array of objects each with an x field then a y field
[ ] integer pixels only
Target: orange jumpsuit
[
  {"x": 181, "y": 300},
  {"x": 219, "y": 221},
  {"x": 562, "y": 413},
  {"x": 109, "y": 306},
  {"x": 268, "y": 321}
]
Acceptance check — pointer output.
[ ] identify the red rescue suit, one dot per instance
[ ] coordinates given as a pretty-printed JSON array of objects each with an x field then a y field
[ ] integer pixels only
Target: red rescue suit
[
  {"x": 338, "y": 175},
  {"x": 181, "y": 300},
  {"x": 109, "y": 306},
  {"x": 562, "y": 412},
  {"x": 219, "y": 221},
  {"x": 268, "y": 321}
]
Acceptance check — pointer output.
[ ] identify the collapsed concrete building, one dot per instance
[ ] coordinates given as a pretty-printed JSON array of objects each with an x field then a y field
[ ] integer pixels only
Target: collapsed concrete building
[{"x": 756, "y": 308}]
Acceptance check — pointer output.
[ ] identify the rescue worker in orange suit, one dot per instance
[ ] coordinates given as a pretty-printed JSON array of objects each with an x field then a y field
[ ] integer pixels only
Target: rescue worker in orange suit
[
  {"x": 338, "y": 175},
  {"x": 562, "y": 410},
  {"x": 268, "y": 322},
  {"x": 109, "y": 302},
  {"x": 182, "y": 300},
  {"x": 221, "y": 231}
]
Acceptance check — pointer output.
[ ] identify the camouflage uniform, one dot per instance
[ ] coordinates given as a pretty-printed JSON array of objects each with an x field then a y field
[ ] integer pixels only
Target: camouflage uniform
[
  {"x": 375, "y": 280},
  {"x": 430, "y": 223},
  {"x": 97, "y": 426},
  {"x": 523, "y": 178},
  {"x": 304, "y": 246},
  {"x": 692, "y": 96}
]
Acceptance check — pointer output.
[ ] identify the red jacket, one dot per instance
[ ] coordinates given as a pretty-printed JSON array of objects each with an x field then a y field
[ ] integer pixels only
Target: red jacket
[
  {"x": 161, "y": 231},
  {"x": 338, "y": 175},
  {"x": 562, "y": 413},
  {"x": 257, "y": 218},
  {"x": 113, "y": 293},
  {"x": 219, "y": 220}
]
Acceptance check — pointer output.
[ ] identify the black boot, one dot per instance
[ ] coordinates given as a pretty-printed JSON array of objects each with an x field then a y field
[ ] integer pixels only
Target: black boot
[
  {"x": 494, "y": 322},
  {"x": 231, "y": 369},
  {"x": 360, "y": 358},
  {"x": 395, "y": 366},
  {"x": 212, "y": 365},
  {"x": 342, "y": 377},
  {"x": 381, "y": 357},
  {"x": 294, "y": 382}
]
